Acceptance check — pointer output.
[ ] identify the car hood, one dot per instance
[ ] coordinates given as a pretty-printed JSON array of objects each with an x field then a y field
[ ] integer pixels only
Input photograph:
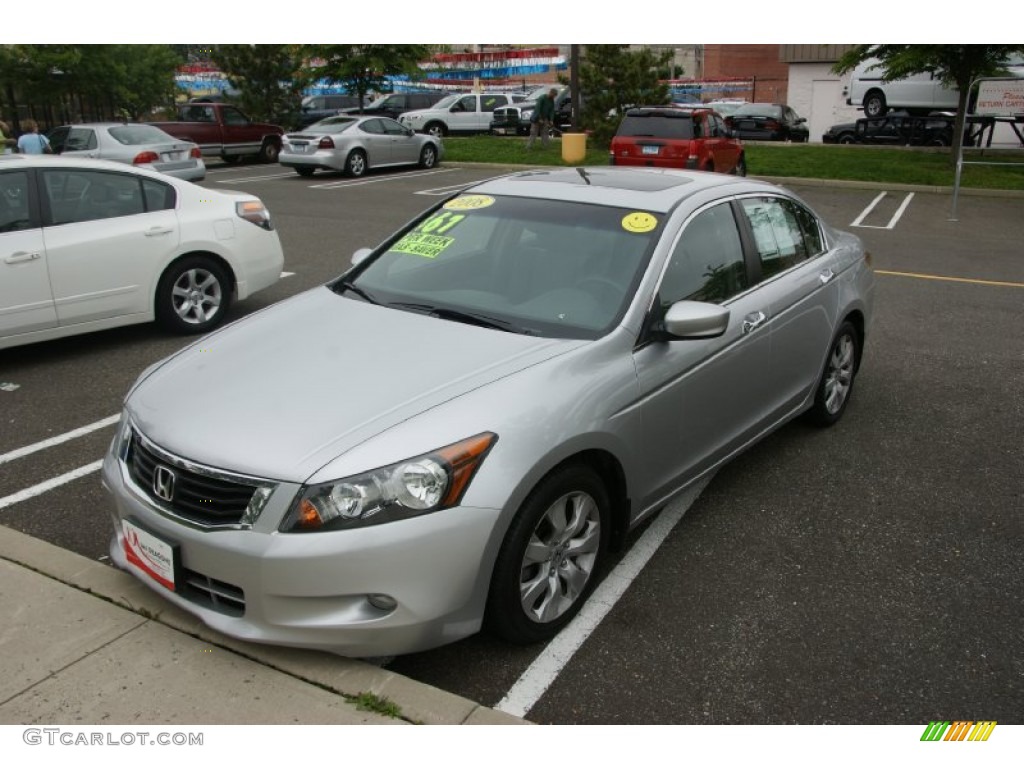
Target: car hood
[{"x": 283, "y": 392}]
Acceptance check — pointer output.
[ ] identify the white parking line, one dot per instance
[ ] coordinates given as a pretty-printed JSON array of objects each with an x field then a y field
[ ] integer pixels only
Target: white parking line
[
  {"x": 48, "y": 485},
  {"x": 539, "y": 676},
  {"x": 892, "y": 222},
  {"x": 256, "y": 178},
  {"x": 50, "y": 442},
  {"x": 361, "y": 182}
]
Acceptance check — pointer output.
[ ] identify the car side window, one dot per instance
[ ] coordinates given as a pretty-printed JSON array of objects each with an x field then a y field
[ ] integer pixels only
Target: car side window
[
  {"x": 158, "y": 196},
  {"x": 80, "y": 195},
  {"x": 777, "y": 234},
  {"x": 809, "y": 228},
  {"x": 707, "y": 263},
  {"x": 233, "y": 117},
  {"x": 490, "y": 103},
  {"x": 466, "y": 104},
  {"x": 58, "y": 138},
  {"x": 80, "y": 139},
  {"x": 15, "y": 214},
  {"x": 393, "y": 127},
  {"x": 376, "y": 127}
]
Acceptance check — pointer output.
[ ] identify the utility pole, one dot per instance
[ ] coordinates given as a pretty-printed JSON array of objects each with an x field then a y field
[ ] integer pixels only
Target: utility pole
[{"x": 574, "y": 84}]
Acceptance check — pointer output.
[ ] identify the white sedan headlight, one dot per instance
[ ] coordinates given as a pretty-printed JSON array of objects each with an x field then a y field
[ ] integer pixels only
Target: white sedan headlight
[{"x": 420, "y": 485}]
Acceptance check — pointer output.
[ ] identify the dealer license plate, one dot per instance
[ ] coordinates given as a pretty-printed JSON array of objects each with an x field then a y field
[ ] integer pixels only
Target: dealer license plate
[{"x": 152, "y": 555}]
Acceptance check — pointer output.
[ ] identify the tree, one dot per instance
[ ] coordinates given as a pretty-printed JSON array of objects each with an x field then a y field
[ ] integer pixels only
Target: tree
[
  {"x": 269, "y": 78},
  {"x": 614, "y": 78},
  {"x": 954, "y": 65},
  {"x": 364, "y": 68}
]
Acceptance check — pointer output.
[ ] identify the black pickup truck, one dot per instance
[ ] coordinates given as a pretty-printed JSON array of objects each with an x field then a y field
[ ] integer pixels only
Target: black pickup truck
[{"x": 514, "y": 120}]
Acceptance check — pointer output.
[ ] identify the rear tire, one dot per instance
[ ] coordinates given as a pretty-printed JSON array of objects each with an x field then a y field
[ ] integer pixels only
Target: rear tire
[
  {"x": 306, "y": 172},
  {"x": 741, "y": 166},
  {"x": 355, "y": 163},
  {"x": 269, "y": 151},
  {"x": 874, "y": 104}
]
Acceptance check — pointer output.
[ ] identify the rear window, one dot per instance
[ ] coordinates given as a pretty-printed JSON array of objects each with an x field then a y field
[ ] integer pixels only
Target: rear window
[
  {"x": 132, "y": 135},
  {"x": 656, "y": 127}
]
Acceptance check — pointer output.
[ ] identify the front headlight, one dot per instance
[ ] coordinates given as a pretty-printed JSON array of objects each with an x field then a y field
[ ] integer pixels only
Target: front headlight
[
  {"x": 526, "y": 114},
  {"x": 420, "y": 485}
]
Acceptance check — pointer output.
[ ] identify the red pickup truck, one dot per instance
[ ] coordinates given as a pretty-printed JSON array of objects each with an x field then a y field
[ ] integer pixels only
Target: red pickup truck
[{"x": 224, "y": 131}]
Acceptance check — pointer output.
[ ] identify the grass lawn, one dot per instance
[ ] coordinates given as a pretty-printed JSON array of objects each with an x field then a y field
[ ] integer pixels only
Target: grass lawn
[{"x": 892, "y": 165}]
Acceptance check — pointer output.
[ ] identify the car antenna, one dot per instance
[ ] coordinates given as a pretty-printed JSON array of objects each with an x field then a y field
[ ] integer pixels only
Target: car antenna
[{"x": 583, "y": 174}]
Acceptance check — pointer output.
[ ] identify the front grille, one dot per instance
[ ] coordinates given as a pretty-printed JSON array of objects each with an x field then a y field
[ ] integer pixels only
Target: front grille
[
  {"x": 195, "y": 495},
  {"x": 216, "y": 595}
]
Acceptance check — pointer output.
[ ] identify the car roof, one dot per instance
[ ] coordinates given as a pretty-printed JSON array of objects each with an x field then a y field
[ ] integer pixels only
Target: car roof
[
  {"x": 650, "y": 189},
  {"x": 666, "y": 111},
  {"x": 62, "y": 161}
]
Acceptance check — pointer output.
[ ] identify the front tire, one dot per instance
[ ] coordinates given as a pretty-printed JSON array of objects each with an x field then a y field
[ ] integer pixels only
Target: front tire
[
  {"x": 846, "y": 138},
  {"x": 428, "y": 156},
  {"x": 193, "y": 295},
  {"x": 836, "y": 383},
  {"x": 437, "y": 130},
  {"x": 549, "y": 560},
  {"x": 355, "y": 163}
]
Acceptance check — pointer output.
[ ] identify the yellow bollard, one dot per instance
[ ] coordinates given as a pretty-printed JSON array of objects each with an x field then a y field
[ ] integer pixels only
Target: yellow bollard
[{"x": 574, "y": 147}]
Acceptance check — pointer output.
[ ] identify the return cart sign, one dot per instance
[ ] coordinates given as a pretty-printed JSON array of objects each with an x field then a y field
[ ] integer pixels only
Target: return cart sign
[{"x": 1002, "y": 98}]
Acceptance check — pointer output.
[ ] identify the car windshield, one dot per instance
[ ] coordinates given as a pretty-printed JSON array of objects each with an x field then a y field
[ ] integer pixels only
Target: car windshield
[
  {"x": 332, "y": 124},
  {"x": 447, "y": 101},
  {"x": 759, "y": 110},
  {"x": 658, "y": 126},
  {"x": 535, "y": 266},
  {"x": 132, "y": 135}
]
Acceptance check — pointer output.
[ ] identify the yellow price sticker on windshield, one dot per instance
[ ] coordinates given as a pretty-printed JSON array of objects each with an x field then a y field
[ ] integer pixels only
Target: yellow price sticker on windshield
[
  {"x": 638, "y": 221},
  {"x": 420, "y": 244},
  {"x": 469, "y": 202}
]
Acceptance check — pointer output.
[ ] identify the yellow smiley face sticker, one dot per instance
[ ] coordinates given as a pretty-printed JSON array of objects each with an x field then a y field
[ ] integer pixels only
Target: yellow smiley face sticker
[
  {"x": 469, "y": 203},
  {"x": 638, "y": 221}
]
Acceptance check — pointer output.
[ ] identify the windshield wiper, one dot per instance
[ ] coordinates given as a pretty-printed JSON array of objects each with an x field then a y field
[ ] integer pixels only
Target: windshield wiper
[
  {"x": 461, "y": 316},
  {"x": 348, "y": 285}
]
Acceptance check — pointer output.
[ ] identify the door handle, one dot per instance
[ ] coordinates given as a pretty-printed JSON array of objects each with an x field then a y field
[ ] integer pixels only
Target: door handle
[
  {"x": 826, "y": 275},
  {"x": 22, "y": 256},
  {"x": 155, "y": 231},
  {"x": 753, "y": 321}
]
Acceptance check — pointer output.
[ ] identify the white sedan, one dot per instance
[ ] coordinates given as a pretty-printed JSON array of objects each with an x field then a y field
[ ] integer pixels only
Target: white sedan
[
  {"x": 142, "y": 145},
  {"x": 87, "y": 245}
]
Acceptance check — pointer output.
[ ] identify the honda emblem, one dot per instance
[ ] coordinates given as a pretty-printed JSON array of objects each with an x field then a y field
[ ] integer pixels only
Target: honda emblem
[{"x": 163, "y": 483}]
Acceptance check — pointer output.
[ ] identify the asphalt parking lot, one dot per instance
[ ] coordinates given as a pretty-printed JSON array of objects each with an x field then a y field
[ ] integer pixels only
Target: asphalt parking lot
[{"x": 869, "y": 573}]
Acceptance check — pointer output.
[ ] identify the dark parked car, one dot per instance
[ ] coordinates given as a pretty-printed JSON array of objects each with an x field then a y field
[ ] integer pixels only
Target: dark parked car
[
  {"x": 394, "y": 104},
  {"x": 677, "y": 137},
  {"x": 895, "y": 128},
  {"x": 768, "y": 122},
  {"x": 514, "y": 119},
  {"x": 316, "y": 108}
]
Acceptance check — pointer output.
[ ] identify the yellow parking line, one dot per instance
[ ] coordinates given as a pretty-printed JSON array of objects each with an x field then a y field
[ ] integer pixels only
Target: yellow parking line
[{"x": 950, "y": 279}]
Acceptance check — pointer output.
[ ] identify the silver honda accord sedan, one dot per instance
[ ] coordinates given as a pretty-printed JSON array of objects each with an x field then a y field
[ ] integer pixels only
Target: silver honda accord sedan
[{"x": 454, "y": 433}]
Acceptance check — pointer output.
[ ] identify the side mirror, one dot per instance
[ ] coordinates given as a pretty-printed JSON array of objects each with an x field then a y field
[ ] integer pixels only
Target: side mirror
[
  {"x": 696, "y": 320},
  {"x": 360, "y": 256}
]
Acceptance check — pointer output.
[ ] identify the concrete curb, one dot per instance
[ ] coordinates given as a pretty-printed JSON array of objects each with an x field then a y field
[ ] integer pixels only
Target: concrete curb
[{"x": 418, "y": 703}]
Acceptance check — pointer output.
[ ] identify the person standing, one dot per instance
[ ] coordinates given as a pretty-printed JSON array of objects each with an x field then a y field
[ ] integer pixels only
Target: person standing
[
  {"x": 7, "y": 142},
  {"x": 542, "y": 118},
  {"x": 32, "y": 142}
]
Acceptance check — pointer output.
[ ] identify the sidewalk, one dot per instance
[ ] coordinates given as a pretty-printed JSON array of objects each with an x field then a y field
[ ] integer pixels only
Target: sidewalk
[{"x": 84, "y": 643}]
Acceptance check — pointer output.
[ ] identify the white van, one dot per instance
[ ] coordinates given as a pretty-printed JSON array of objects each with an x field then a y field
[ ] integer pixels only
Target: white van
[{"x": 922, "y": 92}]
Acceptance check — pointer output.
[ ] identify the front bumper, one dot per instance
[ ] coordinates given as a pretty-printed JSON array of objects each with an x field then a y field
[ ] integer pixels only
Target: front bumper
[{"x": 314, "y": 590}]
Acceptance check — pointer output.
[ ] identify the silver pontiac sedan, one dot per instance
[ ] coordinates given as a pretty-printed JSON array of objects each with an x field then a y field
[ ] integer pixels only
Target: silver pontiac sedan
[
  {"x": 454, "y": 433},
  {"x": 355, "y": 144}
]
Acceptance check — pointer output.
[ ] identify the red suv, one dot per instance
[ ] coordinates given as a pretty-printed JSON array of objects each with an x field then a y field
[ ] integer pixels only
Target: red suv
[{"x": 673, "y": 137}]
